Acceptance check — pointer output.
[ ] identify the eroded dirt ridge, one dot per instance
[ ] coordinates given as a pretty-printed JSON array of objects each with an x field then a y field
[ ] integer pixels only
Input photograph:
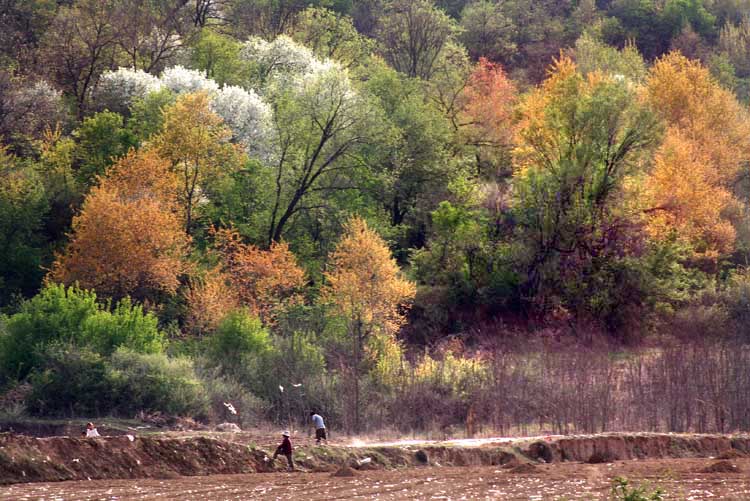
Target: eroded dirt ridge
[{"x": 28, "y": 459}]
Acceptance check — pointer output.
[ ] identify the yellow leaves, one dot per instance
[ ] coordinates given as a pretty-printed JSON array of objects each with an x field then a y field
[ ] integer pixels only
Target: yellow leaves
[
  {"x": 686, "y": 195},
  {"x": 365, "y": 284},
  {"x": 127, "y": 240},
  {"x": 706, "y": 148},
  {"x": 196, "y": 142},
  {"x": 265, "y": 280}
]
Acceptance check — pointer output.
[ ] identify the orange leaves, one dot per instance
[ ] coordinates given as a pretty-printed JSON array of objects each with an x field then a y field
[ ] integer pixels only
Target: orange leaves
[
  {"x": 365, "y": 284},
  {"x": 265, "y": 281},
  {"x": 127, "y": 240},
  {"x": 488, "y": 105},
  {"x": 706, "y": 147},
  {"x": 209, "y": 300}
]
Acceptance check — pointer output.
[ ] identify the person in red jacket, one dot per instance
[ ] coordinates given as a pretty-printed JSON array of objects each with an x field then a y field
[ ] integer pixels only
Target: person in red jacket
[{"x": 285, "y": 449}]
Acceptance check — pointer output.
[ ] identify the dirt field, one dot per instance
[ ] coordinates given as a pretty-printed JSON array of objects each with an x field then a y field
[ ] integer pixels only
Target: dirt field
[{"x": 679, "y": 478}]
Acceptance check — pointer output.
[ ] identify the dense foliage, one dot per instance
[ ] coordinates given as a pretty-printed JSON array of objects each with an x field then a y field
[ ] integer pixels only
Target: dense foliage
[{"x": 296, "y": 204}]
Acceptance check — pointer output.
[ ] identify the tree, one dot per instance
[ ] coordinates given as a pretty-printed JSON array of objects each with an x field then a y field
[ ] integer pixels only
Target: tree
[
  {"x": 196, "y": 143},
  {"x": 23, "y": 206},
  {"x": 322, "y": 125},
  {"x": 487, "y": 32},
  {"x": 414, "y": 156},
  {"x": 365, "y": 288},
  {"x": 26, "y": 109},
  {"x": 101, "y": 140},
  {"x": 411, "y": 35},
  {"x": 593, "y": 55},
  {"x": 332, "y": 36},
  {"x": 265, "y": 281},
  {"x": 151, "y": 32},
  {"x": 217, "y": 55},
  {"x": 128, "y": 239},
  {"x": 209, "y": 299},
  {"x": 708, "y": 146},
  {"x": 487, "y": 105},
  {"x": 79, "y": 45},
  {"x": 688, "y": 198},
  {"x": 580, "y": 139}
]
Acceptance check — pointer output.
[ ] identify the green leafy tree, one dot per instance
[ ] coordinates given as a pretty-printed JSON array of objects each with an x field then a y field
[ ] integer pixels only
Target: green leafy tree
[
  {"x": 579, "y": 141},
  {"x": 100, "y": 141},
  {"x": 23, "y": 208},
  {"x": 217, "y": 55},
  {"x": 412, "y": 33}
]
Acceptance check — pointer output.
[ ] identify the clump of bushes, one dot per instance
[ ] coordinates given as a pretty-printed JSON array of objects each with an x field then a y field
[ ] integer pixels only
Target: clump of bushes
[{"x": 72, "y": 317}]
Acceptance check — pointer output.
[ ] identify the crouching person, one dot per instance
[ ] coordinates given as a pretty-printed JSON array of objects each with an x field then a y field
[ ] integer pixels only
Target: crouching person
[{"x": 285, "y": 449}]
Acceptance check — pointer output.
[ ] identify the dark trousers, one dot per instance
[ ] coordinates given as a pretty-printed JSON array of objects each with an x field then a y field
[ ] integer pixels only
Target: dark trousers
[{"x": 288, "y": 458}]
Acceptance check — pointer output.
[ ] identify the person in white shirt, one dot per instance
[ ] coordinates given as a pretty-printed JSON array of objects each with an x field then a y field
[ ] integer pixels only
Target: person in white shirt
[
  {"x": 320, "y": 428},
  {"x": 91, "y": 431}
]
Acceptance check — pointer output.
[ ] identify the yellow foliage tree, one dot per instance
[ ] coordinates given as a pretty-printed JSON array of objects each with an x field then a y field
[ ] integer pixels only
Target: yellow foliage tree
[
  {"x": 706, "y": 148},
  {"x": 196, "y": 142},
  {"x": 266, "y": 281},
  {"x": 366, "y": 289},
  {"x": 688, "y": 197},
  {"x": 128, "y": 238}
]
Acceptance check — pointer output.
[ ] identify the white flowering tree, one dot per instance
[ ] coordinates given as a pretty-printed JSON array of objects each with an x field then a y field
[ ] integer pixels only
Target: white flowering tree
[
  {"x": 118, "y": 90},
  {"x": 182, "y": 80},
  {"x": 281, "y": 60},
  {"x": 244, "y": 112},
  {"x": 248, "y": 117}
]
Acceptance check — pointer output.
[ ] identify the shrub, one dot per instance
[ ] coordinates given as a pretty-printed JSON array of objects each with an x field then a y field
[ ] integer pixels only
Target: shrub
[
  {"x": 621, "y": 490},
  {"x": 238, "y": 339},
  {"x": 74, "y": 382},
  {"x": 154, "y": 382},
  {"x": 220, "y": 389},
  {"x": 71, "y": 316}
]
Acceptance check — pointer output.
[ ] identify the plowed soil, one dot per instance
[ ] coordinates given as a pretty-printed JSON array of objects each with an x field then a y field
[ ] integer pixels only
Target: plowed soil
[{"x": 679, "y": 478}]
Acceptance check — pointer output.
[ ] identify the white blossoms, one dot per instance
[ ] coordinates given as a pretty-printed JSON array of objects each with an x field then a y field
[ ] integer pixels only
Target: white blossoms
[
  {"x": 279, "y": 65},
  {"x": 243, "y": 111},
  {"x": 182, "y": 80},
  {"x": 282, "y": 61},
  {"x": 118, "y": 90},
  {"x": 247, "y": 115}
]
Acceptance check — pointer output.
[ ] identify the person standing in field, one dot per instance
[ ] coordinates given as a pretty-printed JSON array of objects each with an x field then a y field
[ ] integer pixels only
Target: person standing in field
[
  {"x": 285, "y": 449},
  {"x": 320, "y": 428}
]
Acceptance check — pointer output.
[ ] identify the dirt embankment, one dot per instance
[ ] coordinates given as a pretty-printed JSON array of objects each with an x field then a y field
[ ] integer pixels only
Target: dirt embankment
[
  {"x": 609, "y": 447},
  {"x": 28, "y": 459}
]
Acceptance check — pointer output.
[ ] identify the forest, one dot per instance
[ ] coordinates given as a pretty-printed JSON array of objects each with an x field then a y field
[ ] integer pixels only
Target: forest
[{"x": 410, "y": 215}]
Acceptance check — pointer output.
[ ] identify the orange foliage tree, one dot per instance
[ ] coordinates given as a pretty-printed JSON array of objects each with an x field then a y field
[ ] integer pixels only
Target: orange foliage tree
[
  {"x": 196, "y": 142},
  {"x": 367, "y": 291},
  {"x": 128, "y": 237},
  {"x": 487, "y": 107},
  {"x": 707, "y": 144},
  {"x": 266, "y": 281},
  {"x": 209, "y": 299}
]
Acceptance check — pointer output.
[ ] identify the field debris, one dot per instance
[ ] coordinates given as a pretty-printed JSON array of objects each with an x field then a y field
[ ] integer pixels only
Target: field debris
[{"x": 722, "y": 466}]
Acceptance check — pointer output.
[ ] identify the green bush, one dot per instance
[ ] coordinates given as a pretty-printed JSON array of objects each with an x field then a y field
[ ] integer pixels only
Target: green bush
[
  {"x": 154, "y": 382},
  {"x": 622, "y": 491},
  {"x": 74, "y": 382},
  {"x": 79, "y": 382},
  {"x": 72, "y": 316},
  {"x": 126, "y": 326},
  {"x": 239, "y": 342}
]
